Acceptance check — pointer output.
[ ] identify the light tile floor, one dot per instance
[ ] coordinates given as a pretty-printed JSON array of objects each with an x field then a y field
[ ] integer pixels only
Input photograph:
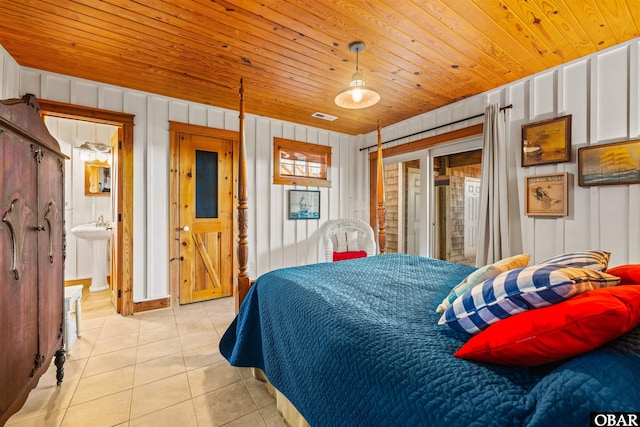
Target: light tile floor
[{"x": 159, "y": 368}]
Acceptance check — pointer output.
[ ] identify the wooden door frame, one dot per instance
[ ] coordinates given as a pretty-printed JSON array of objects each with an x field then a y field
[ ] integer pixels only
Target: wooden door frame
[
  {"x": 125, "y": 186},
  {"x": 403, "y": 220},
  {"x": 175, "y": 129}
]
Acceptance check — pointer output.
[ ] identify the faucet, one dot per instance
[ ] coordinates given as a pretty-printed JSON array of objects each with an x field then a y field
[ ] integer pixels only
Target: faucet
[{"x": 101, "y": 222}]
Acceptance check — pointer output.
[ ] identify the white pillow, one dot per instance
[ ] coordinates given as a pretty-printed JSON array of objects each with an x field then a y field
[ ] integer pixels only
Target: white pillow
[
  {"x": 352, "y": 241},
  {"x": 341, "y": 238}
]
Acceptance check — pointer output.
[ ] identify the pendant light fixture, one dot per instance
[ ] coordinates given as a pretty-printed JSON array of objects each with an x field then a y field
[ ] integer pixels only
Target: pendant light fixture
[{"x": 357, "y": 95}]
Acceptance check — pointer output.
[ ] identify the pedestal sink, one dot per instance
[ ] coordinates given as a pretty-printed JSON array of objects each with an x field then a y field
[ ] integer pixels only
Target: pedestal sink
[{"x": 98, "y": 236}]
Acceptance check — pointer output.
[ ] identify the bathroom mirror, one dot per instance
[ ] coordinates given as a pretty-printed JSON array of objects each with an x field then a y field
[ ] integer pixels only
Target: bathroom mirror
[{"x": 97, "y": 178}]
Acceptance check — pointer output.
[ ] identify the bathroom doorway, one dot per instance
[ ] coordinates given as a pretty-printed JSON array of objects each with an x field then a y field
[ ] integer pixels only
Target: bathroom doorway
[{"x": 121, "y": 192}]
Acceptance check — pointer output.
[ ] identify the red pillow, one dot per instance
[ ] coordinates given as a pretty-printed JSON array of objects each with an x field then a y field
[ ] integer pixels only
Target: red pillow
[
  {"x": 556, "y": 332},
  {"x": 629, "y": 274},
  {"x": 341, "y": 256}
]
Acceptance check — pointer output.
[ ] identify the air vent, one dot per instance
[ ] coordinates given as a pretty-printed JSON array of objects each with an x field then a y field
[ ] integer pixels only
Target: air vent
[{"x": 324, "y": 116}]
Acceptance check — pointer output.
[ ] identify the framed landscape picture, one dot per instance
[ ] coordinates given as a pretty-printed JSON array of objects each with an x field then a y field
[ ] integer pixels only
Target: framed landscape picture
[
  {"x": 546, "y": 195},
  {"x": 609, "y": 164},
  {"x": 547, "y": 141},
  {"x": 304, "y": 204}
]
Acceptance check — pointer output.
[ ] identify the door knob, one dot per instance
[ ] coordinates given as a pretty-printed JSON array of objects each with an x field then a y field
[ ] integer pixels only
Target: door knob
[{"x": 185, "y": 228}]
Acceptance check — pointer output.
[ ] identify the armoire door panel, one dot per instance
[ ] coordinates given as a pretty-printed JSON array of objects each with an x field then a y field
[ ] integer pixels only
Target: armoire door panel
[
  {"x": 18, "y": 274},
  {"x": 50, "y": 237}
]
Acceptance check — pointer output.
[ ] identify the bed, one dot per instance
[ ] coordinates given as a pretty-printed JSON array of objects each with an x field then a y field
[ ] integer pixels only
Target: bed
[{"x": 357, "y": 343}]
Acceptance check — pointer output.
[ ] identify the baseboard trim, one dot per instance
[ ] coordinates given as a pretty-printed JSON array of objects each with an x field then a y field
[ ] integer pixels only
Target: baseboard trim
[
  {"x": 156, "y": 304},
  {"x": 86, "y": 283}
]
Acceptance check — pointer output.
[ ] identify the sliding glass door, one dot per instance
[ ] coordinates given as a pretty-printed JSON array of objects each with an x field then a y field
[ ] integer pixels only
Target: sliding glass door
[
  {"x": 431, "y": 201},
  {"x": 402, "y": 207}
]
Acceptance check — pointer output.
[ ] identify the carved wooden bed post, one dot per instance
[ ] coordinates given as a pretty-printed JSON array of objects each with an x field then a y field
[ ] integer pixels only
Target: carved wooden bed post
[
  {"x": 382, "y": 238},
  {"x": 243, "y": 250}
]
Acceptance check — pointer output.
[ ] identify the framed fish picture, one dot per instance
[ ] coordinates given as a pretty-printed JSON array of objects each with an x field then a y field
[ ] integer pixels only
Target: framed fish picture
[
  {"x": 546, "y": 195},
  {"x": 609, "y": 164},
  {"x": 547, "y": 141}
]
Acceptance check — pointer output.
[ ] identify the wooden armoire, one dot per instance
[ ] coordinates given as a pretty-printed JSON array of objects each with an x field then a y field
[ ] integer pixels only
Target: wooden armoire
[{"x": 32, "y": 245}]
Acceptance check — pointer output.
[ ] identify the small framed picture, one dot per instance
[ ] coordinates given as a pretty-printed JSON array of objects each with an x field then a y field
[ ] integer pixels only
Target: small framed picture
[
  {"x": 547, "y": 141},
  {"x": 304, "y": 204},
  {"x": 609, "y": 164},
  {"x": 546, "y": 195}
]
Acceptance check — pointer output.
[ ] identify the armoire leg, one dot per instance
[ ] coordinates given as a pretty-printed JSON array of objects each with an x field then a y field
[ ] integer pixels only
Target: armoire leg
[{"x": 61, "y": 357}]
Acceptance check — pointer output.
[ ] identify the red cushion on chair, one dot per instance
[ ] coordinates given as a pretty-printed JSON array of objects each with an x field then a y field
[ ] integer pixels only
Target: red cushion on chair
[
  {"x": 553, "y": 333},
  {"x": 341, "y": 256}
]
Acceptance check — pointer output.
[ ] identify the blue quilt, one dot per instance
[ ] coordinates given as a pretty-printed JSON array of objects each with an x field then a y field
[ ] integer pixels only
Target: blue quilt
[{"x": 356, "y": 343}]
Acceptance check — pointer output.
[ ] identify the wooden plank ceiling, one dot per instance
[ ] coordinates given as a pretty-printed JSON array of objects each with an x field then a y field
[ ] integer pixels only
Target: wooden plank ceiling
[{"x": 294, "y": 55}]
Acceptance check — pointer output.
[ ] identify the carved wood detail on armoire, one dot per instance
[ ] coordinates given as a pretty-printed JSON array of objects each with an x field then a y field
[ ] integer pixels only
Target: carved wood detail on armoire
[{"x": 32, "y": 252}]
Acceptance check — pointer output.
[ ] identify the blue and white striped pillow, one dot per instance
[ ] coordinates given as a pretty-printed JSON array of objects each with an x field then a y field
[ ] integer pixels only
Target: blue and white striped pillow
[
  {"x": 595, "y": 260},
  {"x": 519, "y": 290}
]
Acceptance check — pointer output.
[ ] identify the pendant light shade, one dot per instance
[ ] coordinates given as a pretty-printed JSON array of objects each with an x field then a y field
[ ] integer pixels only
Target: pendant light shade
[{"x": 357, "y": 95}]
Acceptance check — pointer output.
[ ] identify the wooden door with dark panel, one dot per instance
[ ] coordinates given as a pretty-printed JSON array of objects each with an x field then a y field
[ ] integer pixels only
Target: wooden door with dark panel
[{"x": 206, "y": 217}]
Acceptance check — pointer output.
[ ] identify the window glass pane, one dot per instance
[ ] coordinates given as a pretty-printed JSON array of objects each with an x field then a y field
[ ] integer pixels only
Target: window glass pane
[
  {"x": 286, "y": 167},
  {"x": 206, "y": 184},
  {"x": 296, "y": 163},
  {"x": 402, "y": 207}
]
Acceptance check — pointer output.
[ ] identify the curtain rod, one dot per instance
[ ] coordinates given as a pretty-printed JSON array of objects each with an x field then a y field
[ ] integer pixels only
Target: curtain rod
[{"x": 434, "y": 128}]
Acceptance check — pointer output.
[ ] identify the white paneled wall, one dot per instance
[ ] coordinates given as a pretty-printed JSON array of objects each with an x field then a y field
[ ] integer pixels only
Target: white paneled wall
[
  {"x": 9, "y": 75},
  {"x": 602, "y": 93},
  {"x": 274, "y": 241}
]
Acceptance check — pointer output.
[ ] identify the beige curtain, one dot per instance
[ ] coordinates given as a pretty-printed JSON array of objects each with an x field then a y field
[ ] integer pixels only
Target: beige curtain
[{"x": 493, "y": 218}]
